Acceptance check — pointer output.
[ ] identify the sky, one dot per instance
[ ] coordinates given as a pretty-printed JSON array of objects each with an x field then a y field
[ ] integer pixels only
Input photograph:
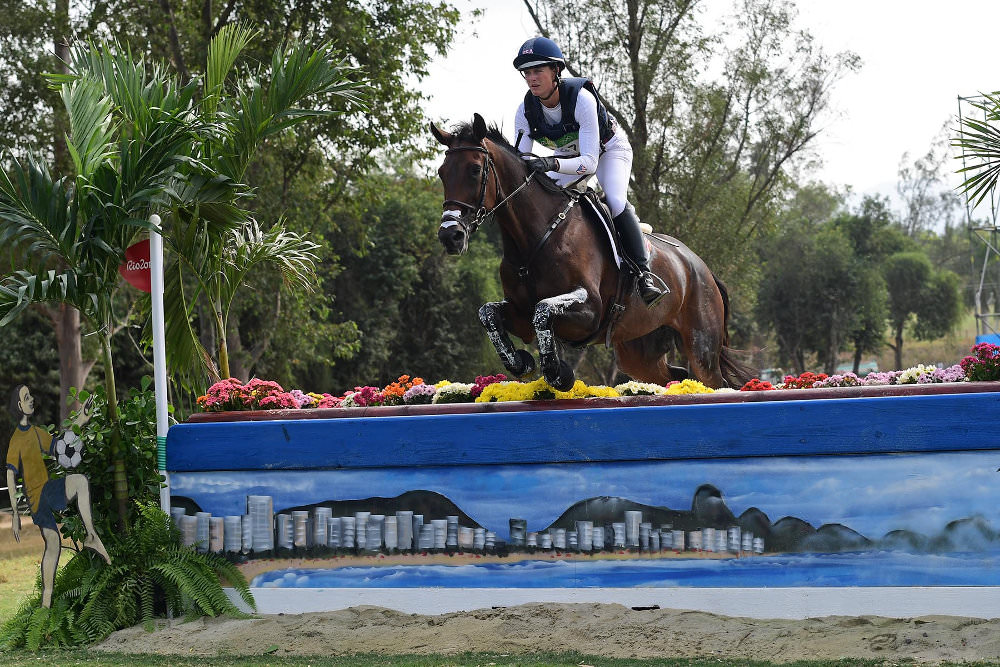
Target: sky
[{"x": 917, "y": 57}]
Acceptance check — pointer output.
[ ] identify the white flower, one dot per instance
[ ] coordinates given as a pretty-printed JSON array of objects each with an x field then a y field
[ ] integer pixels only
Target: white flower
[
  {"x": 912, "y": 375},
  {"x": 633, "y": 388}
]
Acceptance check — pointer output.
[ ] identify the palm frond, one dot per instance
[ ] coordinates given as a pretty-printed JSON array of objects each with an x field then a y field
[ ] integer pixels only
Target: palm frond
[
  {"x": 36, "y": 215},
  {"x": 91, "y": 127},
  {"x": 223, "y": 50},
  {"x": 21, "y": 289},
  {"x": 979, "y": 142},
  {"x": 251, "y": 249}
]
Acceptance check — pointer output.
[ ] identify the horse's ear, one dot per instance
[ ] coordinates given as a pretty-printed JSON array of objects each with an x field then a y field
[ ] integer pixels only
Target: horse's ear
[
  {"x": 478, "y": 127},
  {"x": 441, "y": 135}
]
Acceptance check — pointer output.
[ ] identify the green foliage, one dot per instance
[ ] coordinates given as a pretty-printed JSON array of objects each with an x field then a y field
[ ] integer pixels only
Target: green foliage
[
  {"x": 416, "y": 308},
  {"x": 150, "y": 573},
  {"x": 822, "y": 287},
  {"x": 920, "y": 293},
  {"x": 137, "y": 423}
]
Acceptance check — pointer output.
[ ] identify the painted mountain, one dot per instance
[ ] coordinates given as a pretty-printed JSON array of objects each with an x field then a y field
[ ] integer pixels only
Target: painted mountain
[{"x": 430, "y": 504}]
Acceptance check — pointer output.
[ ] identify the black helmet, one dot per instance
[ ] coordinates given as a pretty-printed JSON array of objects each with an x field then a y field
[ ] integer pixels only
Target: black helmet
[{"x": 539, "y": 51}]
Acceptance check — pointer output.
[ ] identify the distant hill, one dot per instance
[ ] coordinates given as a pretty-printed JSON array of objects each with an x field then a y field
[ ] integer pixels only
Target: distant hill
[{"x": 430, "y": 504}]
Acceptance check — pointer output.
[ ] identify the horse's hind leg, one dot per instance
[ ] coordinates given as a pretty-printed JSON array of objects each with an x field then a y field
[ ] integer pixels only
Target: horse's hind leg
[
  {"x": 702, "y": 347},
  {"x": 517, "y": 362},
  {"x": 645, "y": 358}
]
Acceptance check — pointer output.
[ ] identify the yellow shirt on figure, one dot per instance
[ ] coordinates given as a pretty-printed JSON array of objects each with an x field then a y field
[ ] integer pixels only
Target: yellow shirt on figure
[{"x": 24, "y": 457}]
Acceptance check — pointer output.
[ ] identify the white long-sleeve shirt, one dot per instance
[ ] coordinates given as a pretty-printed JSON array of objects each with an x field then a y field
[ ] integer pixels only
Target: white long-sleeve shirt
[{"x": 579, "y": 153}]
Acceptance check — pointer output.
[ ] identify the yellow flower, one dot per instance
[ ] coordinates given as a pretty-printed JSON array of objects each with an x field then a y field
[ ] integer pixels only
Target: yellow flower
[{"x": 688, "y": 387}]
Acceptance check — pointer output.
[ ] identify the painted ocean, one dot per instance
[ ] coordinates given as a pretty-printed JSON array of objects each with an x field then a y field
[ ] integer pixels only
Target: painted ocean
[{"x": 871, "y": 568}]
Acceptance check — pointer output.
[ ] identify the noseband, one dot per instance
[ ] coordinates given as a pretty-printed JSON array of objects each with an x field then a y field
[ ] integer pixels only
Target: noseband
[{"x": 480, "y": 215}]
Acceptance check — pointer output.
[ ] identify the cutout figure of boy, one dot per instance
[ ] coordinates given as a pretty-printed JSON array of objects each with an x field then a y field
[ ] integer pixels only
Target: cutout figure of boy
[{"x": 47, "y": 496}]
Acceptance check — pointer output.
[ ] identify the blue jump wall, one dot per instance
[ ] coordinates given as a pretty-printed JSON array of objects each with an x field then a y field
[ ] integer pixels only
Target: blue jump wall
[{"x": 848, "y": 490}]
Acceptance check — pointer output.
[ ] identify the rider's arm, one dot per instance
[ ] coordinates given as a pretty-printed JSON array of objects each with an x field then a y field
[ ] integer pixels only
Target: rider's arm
[
  {"x": 589, "y": 141},
  {"x": 521, "y": 129}
]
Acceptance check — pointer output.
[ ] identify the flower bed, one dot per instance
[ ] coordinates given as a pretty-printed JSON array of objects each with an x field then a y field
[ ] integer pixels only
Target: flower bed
[{"x": 230, "y": 395}]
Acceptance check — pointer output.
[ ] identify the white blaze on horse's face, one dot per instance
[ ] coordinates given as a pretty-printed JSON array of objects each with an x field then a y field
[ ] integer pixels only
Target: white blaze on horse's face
[{"x": 451, "y": 233}]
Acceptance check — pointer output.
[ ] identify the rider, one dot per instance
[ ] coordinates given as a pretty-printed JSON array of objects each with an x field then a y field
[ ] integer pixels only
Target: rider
[{"x": 567, "y": 116}]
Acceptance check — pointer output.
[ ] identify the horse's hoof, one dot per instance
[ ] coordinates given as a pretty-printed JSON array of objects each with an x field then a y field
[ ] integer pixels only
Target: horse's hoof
[
  {"x": 524, "y": 364},
  {"x": 565, "y": 379}
]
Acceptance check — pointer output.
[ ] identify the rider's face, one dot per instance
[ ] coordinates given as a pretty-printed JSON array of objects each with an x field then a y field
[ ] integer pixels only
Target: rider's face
[{"x": 541, "y": 80}]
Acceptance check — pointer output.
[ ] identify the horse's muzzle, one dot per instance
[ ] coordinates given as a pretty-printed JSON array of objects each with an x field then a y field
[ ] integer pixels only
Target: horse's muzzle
[{"x": 453, "y": 237}]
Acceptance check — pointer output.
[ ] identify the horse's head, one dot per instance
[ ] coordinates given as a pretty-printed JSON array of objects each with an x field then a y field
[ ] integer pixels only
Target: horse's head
[{"x": 464, "y": 173}]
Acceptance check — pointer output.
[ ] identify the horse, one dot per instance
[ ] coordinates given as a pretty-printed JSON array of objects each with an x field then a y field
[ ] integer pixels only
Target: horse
[{"x": 560, "y": 279}]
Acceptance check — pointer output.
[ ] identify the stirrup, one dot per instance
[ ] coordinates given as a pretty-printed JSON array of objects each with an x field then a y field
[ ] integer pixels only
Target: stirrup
[{"x": 650, "y": 294}]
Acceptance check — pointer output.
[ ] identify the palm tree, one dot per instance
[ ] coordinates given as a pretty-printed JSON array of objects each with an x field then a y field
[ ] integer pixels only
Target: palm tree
[
  {"x": 213, "y": 261},
  {"x": 133, "y": 139},
  {"x": 144, "y": 143},
  {"x": 978, "y": 140}
]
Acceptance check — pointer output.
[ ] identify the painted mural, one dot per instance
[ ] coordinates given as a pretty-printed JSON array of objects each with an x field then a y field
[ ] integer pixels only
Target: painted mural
[{"x": 922, "y": 519}]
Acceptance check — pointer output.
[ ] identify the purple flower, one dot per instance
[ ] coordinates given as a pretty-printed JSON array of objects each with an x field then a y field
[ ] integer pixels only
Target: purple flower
[
  {"x": 419, "y": 394},
  {"x": 879, "y": 378},
  {"x": 950, "y": 374}
]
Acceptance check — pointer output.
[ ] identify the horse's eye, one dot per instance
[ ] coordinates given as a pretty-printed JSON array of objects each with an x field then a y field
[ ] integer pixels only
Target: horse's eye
[{"x": 475, "y": 169}]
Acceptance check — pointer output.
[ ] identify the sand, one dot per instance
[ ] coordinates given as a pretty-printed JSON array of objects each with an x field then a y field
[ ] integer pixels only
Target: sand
[{"x": 607, "y": 630}]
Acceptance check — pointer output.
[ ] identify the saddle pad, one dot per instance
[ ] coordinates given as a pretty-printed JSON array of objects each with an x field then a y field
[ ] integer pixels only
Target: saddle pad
[{"x": 604, "y": 216}]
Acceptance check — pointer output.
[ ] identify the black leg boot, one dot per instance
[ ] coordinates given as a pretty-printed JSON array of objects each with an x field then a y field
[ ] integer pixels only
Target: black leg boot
[{"x": 634, "y": 245}]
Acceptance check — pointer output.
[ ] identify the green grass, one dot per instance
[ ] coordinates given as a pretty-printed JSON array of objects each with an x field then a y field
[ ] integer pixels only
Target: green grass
[
  {"x": 83, "y": 657},
  {"x": 17, "y": 581}
]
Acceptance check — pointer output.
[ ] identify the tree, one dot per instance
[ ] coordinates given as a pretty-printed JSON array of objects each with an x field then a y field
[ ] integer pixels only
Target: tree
[
  {"x": 710, "y": 154},
  {"x": 919, "y": 293},
  {"x": 246, "y": 113},
  {"x": 928, "y": 201},
  {"x": 390, "y": 44},
  {"x": 131, "y": 156},
  {"x": 415, "y": 307}
]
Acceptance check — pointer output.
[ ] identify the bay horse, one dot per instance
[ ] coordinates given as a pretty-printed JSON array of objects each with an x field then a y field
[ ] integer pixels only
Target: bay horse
[{"x": 560, "y": 279}]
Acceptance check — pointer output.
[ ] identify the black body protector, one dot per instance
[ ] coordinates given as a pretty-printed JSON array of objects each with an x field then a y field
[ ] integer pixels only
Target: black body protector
[
  {"x": 651, "y": 288},
  {"x": 567, "y": 130}
]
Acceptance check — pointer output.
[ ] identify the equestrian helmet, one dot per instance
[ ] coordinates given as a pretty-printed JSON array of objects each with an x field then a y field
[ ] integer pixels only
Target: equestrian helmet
[{"x": 539, "y": 51}]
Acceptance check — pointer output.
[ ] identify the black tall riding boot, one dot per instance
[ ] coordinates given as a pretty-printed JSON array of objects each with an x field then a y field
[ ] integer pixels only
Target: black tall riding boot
[{"x": 634, "y": 245}]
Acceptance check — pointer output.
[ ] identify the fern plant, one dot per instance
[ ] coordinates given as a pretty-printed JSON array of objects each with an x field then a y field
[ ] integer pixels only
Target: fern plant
[{"x": 150, "y": 573}]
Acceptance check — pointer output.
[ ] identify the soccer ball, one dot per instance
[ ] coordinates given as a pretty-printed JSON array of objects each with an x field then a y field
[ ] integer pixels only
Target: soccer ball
[{"x": 68, "y": 448}]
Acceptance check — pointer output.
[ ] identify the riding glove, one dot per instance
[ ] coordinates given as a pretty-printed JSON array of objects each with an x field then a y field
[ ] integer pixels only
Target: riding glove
[{"x": 542, "y": 163}]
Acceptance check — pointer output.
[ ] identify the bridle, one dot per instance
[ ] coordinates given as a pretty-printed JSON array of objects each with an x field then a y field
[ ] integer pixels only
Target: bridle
[{"x": 479, "y": 213}]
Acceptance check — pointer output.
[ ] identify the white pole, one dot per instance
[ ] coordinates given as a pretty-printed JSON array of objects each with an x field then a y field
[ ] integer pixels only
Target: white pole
[{"x": 159, "y": 358}]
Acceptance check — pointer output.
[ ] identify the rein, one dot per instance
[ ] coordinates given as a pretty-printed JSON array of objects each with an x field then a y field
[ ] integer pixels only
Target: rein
[{"x": 482, "y": 215}]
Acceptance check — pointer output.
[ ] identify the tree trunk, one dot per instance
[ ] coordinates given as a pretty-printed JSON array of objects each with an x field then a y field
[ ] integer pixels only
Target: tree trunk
[
  {"x": 898, "y": 348},
  {"x": 65, "y": 319},
  {"x": 73, "y": 370},
  {"x": 857, "y": 359},
  {"x": 120, "y": 490}
]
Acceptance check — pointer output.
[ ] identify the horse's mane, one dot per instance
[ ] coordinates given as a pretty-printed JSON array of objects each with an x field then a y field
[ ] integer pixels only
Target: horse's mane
[{"x": 465, "y": 133}]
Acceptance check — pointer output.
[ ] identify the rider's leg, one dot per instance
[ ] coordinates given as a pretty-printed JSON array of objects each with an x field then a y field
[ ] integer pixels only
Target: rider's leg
[
  {"x": 634, "y": 245},
  {"x": 613, "y": 172}
]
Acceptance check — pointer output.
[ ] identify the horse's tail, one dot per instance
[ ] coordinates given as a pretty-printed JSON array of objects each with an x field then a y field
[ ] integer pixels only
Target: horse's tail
[{"x": 734, "y": 371}]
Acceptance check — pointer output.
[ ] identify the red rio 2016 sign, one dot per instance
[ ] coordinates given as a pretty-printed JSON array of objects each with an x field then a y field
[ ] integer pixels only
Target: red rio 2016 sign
[{"x": 136, "y": 268}]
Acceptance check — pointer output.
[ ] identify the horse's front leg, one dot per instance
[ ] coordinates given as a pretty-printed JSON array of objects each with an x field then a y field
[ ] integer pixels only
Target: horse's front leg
[
  {"x": 518, "y": 362},
  {"x": 557, "y": 372}
]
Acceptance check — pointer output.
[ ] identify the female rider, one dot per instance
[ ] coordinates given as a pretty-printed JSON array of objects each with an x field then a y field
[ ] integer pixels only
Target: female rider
[{"x": 567, "y": 116}]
